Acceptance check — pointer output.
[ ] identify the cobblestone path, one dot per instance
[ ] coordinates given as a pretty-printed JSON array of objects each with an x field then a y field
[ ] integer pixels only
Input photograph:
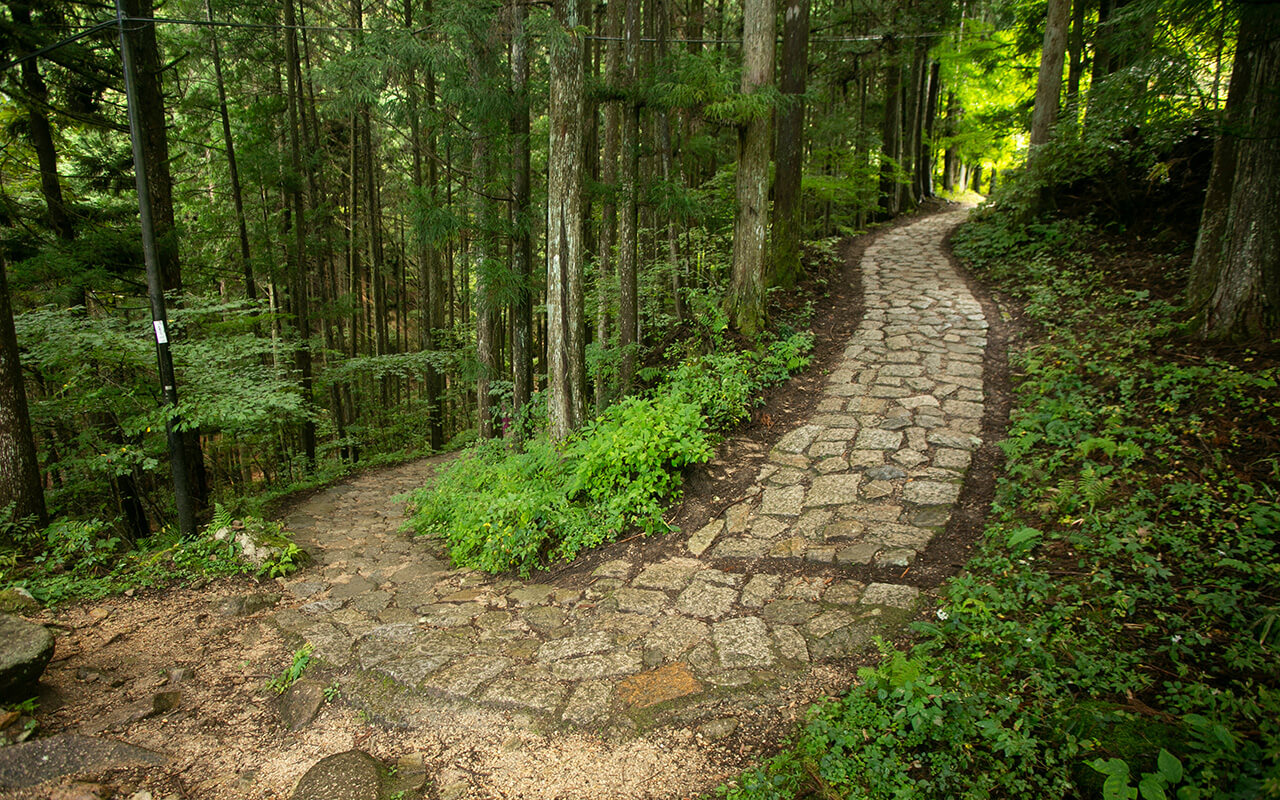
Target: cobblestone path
[{"x": 724, "y": 626}]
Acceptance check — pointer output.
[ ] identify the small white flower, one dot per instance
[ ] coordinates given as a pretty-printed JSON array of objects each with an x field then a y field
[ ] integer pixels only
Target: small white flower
[
  {"x": 943, "y": 615},
  {"x": 1177, "y": 637}
]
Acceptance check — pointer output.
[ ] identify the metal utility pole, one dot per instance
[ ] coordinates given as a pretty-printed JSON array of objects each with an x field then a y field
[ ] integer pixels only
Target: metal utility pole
[{"x": 155, "y": 290}]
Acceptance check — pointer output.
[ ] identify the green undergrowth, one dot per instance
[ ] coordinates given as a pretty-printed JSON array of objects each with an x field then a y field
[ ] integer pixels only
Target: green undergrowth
[
  {"x": 78, "y": 560},
  {"x": 499, "y": 510},
  {"x": 1118, "y": 635}
]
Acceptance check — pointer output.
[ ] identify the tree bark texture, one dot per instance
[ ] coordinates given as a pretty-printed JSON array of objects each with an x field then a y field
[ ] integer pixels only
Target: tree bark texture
[
  {"x": 566, "y": 379},
  {"x": 1049, "y": 82},
  {"x": 924, "y": 162},
  {"x": 609, "y": 239},
  {"x": 521, "y": 214},
  {"x": 629, "y": 213},
  {"x": 233, "y": 168},
  {"x": 299, "y": 280},
  {"x": 19, "y": 468},
  {"x": 789, "y": 153},
  {"x": 745, "y": 300},
  {"x": 1235, "y": 273},
  {"x": 40, "y": 132}
]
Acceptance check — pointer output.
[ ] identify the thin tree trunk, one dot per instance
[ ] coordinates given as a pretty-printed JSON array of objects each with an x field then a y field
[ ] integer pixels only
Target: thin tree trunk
[
  {"x": 924, "y": 170},
  {"x": 233, "y": 169},
  {"x": 891, "y": 133},
  {"x": 666, "y": 152},
  {"x": 609, "y": 177},
  {"x": 299, "y": 279},
  {"x": 484, "y": 243},
  {"x": 629, "y": 221},
  {"x": 1075, "y": 47},
  {"x": 950, "y": 157},
  {"x": 522, "y": 215},
  {"x": 155, "y": 139}
]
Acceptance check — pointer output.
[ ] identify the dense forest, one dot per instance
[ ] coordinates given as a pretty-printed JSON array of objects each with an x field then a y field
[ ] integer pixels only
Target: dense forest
[
  {"x": 379, "y": 229},
  {"x": 247, "y": 249},
  {"x": 373, "y": 223}
]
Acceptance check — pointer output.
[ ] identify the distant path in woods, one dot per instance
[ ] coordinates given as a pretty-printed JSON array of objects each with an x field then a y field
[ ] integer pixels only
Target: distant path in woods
[{"x": 589, "y": 685}]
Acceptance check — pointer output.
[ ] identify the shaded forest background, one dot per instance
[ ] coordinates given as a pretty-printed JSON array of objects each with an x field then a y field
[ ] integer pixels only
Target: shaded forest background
[{"x": 384, "y": 229}]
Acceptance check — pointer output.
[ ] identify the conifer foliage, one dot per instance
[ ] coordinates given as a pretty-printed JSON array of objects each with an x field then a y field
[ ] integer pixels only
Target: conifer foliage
[{"x": 386, "y": 225}]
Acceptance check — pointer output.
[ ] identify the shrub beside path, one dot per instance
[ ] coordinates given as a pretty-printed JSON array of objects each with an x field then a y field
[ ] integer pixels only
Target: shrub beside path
[{"x": 758, "y": 613}]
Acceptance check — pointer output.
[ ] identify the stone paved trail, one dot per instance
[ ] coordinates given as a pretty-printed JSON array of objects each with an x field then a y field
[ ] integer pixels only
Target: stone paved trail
[{"x": 726, "y": 625}]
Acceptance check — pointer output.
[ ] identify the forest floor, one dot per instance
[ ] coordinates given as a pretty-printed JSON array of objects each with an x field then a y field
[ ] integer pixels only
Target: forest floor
[{"x": 653, "y": 667}]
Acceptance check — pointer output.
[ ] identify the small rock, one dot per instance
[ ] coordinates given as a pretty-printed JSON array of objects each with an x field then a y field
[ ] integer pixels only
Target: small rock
[
  {"x": 246, "y": 605},
  {"x": 886, "y": 472},
  {"x": 25, "y": 650},
  {"x": 164, "y": 702},
  {"x": 300, "y": 705},
  {"x": 17, "y": 600},
  {"x": 353, "y": 775},
  {"x": 718, "y": 728}
]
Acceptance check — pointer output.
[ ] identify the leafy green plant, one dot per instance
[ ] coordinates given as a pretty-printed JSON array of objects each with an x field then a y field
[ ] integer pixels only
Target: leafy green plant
[
  {"x": 286, "y": 562},
  {"x": 497, "y": 510},
  {"x": 1151, "y": 786},
  {"x": 291, "y": 674}
]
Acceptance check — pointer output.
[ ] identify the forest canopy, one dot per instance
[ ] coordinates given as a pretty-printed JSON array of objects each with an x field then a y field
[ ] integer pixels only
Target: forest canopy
[{"x": 384, "y": 228}]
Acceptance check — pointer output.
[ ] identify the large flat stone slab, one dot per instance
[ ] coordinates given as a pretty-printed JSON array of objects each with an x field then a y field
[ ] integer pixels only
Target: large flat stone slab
[{"x": 52, "y": 757}]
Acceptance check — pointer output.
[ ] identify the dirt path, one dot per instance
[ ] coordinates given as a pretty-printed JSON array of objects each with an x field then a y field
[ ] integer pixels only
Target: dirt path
[{"x": 645, "y": 676}]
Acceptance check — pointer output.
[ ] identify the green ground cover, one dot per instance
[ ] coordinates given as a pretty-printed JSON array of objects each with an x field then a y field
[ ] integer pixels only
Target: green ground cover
[
  {"x": 499, "y": 510},
  {"x": 1119, "y": 633}
]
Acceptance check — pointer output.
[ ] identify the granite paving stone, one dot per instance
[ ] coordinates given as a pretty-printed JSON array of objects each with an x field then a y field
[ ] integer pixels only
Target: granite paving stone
[{"x": 697, "y": 634}]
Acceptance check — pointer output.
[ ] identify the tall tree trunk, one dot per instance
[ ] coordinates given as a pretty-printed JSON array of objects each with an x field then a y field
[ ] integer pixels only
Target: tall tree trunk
[
  {"x": 924, "y": 162},
  {"x": 609, "y": 239},
  {"x": 1049, "y": 83},
  {"x": 1075, "y": 64},
  {"x": 484, "y": 246},
  {"x": 912, "y": 122},
  {"x": 522, "y": 216},
  {"x": 629, "y": 218},
  {"x": 299, "y": 279},
  {"x": 789, "y": 154},
  {"x": 1235, "y": 273},
  {"x": 41, "y": 132},
  {"x": 566, "y": 376},
  {"x": 951, "y": 156},
  {"x": 155, "y": 138},
  {"x": 430, "y": 302},
  {"x": 155, "y": 144},
  {"x": 745, "y": 300},
  {"x": 891, "y": 132},
  {"x": 233, "y": 169},
  {"x": 666, "y": 152},
  {"x": 19, "y": 468}
]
